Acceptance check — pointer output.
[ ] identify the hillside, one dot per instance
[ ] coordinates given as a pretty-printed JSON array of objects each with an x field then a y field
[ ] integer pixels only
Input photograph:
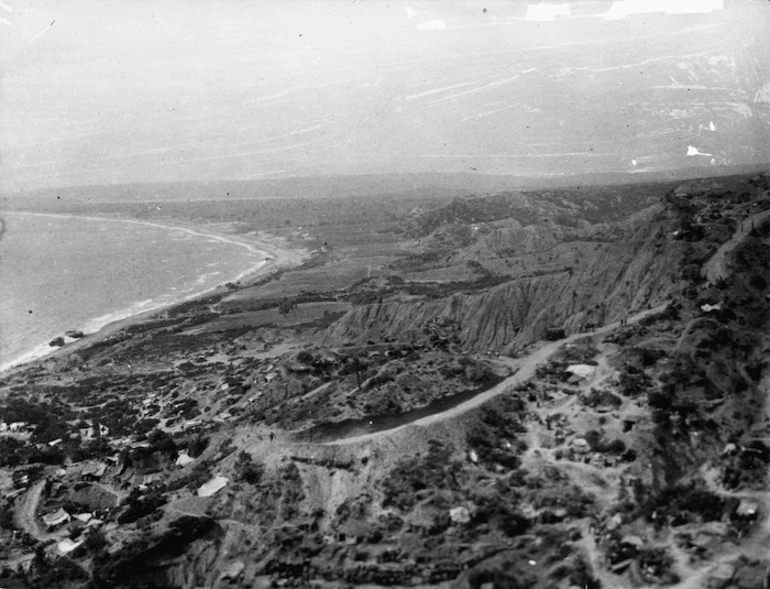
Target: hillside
[
  {"x": 577, "y": 280},
  {"x": 514, "y": 389}
]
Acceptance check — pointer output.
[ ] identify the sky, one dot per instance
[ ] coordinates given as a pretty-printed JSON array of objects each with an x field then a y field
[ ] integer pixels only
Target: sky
[{"x": 104, "y": 92}]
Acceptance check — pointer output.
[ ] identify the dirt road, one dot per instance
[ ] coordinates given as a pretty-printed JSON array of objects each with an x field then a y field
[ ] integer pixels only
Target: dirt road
[
  {"x": 25, "y": 517},
  {"x": 526, "y": 370}
]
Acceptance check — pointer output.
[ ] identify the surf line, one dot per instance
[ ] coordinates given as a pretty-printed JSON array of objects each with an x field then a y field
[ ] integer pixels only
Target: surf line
[
  {"x": 189, "y": 231},
  {"x": 140, "y": 308}
]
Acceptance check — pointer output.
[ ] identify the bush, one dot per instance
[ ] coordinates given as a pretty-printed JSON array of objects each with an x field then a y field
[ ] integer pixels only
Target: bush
[
  {"x": 59, "y": 572},
  {"x": 161, "y": 442},
  {"x": 139, "y": 505},
  {"x": 412, "y": 475},
  {"x": 247, "y": 470},
  {"x": 200, "y": 474},
  {"x": 292, "y": 493},
  {"x": 479, "y": 373},
  {"x": 510, "y": 574},
  {"x": 197, "y": 445},
  {"x": 13, "y": 452},
  {"x": 487, "y": 444},
  {"x": 582, "y": 576},
  {"x": 598, "y": 443},
  {"x": 305, "y": 357},
  {"x": 680, "y": 503},
  {"x": 758, "y": 282},
  {"x": 6, "y": 517},
  {"x": 655, "y": 563},
  {"x": 659, "y": 400},
  {"x": 633, "y": 382},
  {"x": 601, "y": 397}
]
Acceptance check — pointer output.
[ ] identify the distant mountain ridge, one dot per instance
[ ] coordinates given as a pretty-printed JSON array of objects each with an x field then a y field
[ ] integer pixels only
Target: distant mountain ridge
[{"x": 430, "y": 184}]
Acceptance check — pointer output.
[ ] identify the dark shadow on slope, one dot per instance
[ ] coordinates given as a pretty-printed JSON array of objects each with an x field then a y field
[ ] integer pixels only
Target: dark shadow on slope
[{"x": 348, "y": 428}]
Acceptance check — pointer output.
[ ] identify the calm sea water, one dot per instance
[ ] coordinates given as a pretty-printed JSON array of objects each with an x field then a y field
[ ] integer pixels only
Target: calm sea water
[{"x": 59, "y": 273}]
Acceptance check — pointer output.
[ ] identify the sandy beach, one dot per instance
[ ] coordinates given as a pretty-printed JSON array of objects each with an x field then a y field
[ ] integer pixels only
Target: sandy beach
[{"x": 276, "y": 255}]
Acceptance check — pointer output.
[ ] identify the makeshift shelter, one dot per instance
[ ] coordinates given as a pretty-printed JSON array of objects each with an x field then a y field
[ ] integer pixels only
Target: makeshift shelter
[
  {"x": 555, "y": 333},
  {"x": 183, "y": 459},
  {"x": 581, "y": 371},
  {"x": 213, "y": 486},
  {"x": 93, "y": 471},
  {"x": 66, "y": 546},
  {"x": 748, "y": 508},
  {"x": 58, "y": 517},
  {"x": 150, "y": 479}
]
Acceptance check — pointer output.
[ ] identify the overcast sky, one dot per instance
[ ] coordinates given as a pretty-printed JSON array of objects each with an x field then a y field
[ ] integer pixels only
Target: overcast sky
[{"x": 98, "y": 92}]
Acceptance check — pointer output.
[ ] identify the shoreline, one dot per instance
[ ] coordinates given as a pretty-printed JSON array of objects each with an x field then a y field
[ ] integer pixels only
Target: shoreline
[{"x": 97, "y": 328}]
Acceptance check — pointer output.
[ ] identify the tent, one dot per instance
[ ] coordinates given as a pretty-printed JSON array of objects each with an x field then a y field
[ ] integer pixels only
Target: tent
[
  {"x": 66, "y": 546},
  {"x": 93, "y": 470},
  {"x": 56, "y": 518},
  {"x": 581, "y": 370},
  {"x": 213, "y": 486},
  {"x": 183, "y": 459}
]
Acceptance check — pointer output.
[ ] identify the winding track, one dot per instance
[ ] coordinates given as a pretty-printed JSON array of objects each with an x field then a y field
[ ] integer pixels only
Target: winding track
[
  {"x": 26, "y": 512},
  {"x": 715, "y": 268},
  {"x": 526, "y": 370}
]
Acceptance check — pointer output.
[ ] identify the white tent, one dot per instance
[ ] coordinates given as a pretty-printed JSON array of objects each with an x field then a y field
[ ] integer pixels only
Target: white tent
[
  {"x": 213, "y": 486},
  {"x": 52, "y": 520},
  {"x": 66, "y": 546},
  {"x": 183, "y": 459},
  {"x": 581, "y": 370},
  {"x": 460, "y": 515}
]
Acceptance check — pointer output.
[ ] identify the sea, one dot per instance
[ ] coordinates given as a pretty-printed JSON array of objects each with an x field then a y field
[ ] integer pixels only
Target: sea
[{"x": 60, "y": 273}]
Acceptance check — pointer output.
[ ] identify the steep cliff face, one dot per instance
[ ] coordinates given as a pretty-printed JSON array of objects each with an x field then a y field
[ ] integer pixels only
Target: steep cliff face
[
  {"x": 637, "y": 270},
  {"x": 488, "y": 320}
]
